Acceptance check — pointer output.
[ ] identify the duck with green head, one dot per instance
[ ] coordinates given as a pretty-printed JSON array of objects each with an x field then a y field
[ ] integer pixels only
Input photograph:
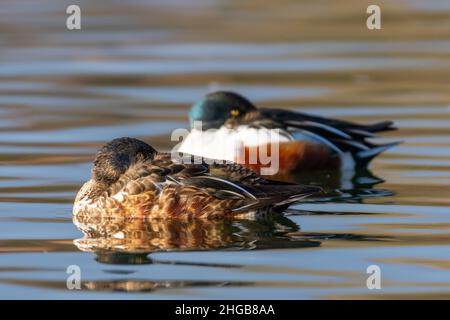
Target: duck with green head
[{"x": 225, "y": 125}]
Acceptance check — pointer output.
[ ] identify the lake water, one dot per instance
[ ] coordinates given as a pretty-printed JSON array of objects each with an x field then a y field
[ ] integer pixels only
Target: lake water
[{"x": 136, "y": 67}]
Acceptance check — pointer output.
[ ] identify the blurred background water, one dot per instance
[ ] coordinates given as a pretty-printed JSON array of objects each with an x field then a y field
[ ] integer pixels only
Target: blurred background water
[{"x": 136, "y": 67}]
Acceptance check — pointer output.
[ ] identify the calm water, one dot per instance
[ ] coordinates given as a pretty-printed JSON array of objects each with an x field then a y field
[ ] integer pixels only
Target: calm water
[{"x": 135, "y": 68}]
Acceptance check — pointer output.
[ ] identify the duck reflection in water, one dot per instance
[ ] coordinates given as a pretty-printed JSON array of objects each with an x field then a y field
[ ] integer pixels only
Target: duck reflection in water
[
  {"x": 139, "y": 236},
  {"x": 349, "y": 187},
  {"x": 130, "y": 241}
]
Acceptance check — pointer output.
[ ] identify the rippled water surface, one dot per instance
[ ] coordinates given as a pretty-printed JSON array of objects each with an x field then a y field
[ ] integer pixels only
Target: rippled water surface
[{"x": 134, "y": 69}]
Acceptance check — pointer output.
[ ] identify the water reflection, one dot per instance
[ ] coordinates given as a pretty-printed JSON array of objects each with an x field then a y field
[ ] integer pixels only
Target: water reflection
[
  {"x": 130, "y": 242},
  {"x": 147, "y": 286},
  {"x": 110, "y": 236},
  {"x": 351, "y": 186}
]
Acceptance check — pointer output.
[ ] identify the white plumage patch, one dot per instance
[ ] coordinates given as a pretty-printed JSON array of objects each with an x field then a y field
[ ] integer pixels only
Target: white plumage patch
[{"x": 227, "y": 144}]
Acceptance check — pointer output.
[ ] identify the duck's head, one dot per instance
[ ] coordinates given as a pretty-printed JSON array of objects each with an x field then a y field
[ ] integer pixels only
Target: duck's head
[
  {"x": 110, "y": 163},
  {"x": 115, "y": 157},
  {"x": 218, "y": 107}
]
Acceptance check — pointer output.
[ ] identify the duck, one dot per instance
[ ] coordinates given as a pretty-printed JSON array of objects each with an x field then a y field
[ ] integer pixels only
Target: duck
[
  {"x": 130, "y": 179},
  {"x": 226, "y": 125}
]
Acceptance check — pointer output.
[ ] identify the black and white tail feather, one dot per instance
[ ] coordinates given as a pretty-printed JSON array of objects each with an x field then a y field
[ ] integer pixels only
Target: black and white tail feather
[{"x": 340, "y": 136}]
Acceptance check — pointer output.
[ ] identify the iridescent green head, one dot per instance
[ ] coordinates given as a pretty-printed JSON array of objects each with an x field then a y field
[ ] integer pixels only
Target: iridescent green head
[{"x": 217, "y": 107}]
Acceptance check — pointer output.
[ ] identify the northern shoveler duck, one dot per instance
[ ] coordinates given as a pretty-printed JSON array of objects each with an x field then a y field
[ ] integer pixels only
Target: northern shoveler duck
[
  {"x": 131, "y": 179},
  {"x": 227, "y": 126}
]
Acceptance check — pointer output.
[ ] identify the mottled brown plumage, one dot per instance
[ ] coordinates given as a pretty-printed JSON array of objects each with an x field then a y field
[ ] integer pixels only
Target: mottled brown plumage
[{"x": 131, "y": 179}]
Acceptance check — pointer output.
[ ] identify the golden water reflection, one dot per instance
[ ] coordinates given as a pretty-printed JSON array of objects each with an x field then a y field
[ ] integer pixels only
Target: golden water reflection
[{"x": 137, "y": 236}]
